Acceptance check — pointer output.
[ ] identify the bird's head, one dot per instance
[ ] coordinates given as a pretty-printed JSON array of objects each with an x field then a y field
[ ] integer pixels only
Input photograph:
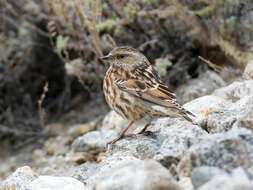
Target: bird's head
[{"x": 124, "y": 57}]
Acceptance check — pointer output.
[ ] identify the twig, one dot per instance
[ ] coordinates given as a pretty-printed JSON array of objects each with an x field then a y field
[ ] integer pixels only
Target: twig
[
  {"x": 42, "y": 112},
  {"x": 145, "y": 44},
  {"x": 217, "y": 68},
  {"x": 109, "y": 41}
]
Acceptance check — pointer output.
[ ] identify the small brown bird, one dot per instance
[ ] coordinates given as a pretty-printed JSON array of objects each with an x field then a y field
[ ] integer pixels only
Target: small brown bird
[{"x": 134, "y": 90}]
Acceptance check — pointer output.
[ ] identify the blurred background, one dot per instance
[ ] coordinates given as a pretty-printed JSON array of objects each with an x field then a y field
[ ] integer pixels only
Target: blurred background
[{"x": 51, "y": 77}]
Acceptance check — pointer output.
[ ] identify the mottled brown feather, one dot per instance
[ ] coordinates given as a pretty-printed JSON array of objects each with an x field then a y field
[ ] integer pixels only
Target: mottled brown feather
[{"x": 134, "y": 89}]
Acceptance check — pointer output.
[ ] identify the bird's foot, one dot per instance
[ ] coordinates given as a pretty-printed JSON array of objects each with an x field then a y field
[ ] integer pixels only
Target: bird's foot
[{"x": 146, "y": 133}]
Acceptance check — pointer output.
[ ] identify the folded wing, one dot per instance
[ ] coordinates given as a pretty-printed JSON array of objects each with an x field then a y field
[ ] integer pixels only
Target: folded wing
[{"x": 153, "y": 91}]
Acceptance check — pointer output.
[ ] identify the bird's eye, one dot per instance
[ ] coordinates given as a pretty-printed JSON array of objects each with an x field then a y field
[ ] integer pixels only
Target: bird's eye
[{"x": 121, "y": 56}]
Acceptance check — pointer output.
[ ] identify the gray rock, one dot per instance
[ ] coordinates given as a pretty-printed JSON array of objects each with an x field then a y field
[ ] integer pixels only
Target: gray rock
[
  {"x": 185, "y": 183},
  {"x": 179, "y": 137},
  {"x": 226, "y": 118},
  {"x": 205, "y": 84},
  {"x": 89, "y": 172},
  {"x": 109, "y": 164},
  {"x": 55, "y": 183},
  {"x": 213, "y": 113},
  {"x": 202, "y": 107},
  {"x": 226, "y": 150},
  {"x": 113, "y": 121},
  {"x": 94, "y": 141},
  {"x": 246, "y": 119},
  {"x": 221, "y": 120},
  {"x": 238, "y": 180},
  {"x": 19, "y": 180},
  {"x": 221, "y": 111},
  {"x": 136, "y": 175},
  {"x": 203, "y": 174},
  {"x": 140, "y": 146},
  {"x": 236, "y": 90},
  {"x": 168, "y": 142},
  {"x": 85, "y": 171},
  {"x": 248, "y": 72}
]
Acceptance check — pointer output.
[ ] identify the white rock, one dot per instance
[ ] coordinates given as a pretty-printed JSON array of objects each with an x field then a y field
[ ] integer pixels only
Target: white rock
[
  {"x": 225, "y": 150},
  {"x": 55, "y": 183},
  {"x": 179, "y": 137},
  {"x": 19, "y": 179},
  {"x": 236, "y": 90},
  {"x": 205, "y": 105},
  {"x": 238, "y": 180},
  {"x": 136, "y": 175},
  {"x": 94, "y": 141},
  {"x": 248, "y": 72},
  {"x": 203, "y": 174},
  {"x": 113, "y": 121}
]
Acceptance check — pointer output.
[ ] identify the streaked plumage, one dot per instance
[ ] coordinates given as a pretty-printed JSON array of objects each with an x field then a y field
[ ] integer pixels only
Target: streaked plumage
[{"x": 134, "y": 90}]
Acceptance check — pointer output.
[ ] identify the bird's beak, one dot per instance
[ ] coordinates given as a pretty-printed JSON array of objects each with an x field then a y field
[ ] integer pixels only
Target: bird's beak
[{"x": 106, "y": 57}]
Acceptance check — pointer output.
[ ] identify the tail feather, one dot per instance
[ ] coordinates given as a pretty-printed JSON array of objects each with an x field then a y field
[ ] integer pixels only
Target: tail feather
[
  {"x": 189, "y": 113},
  {"x": 185, "y": 114},
  {"x": 178, "y": 111}
]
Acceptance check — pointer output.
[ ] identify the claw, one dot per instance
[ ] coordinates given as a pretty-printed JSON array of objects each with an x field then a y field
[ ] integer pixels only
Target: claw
[{"x": 144, "y": 129}]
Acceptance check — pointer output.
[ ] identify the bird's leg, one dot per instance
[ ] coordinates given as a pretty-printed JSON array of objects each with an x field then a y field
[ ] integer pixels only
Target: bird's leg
[
  {"x": 122, "y": 134},
  {"x": 144, "y": 129}
]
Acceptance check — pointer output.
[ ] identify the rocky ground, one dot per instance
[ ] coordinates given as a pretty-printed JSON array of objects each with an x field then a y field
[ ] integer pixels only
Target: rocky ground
[
  {"x": 177, "y": 155},
  {"x": 54, "y": 122}
]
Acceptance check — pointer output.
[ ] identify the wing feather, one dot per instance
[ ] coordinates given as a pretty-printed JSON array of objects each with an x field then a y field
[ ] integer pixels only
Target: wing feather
[
  {"x": 149, "y": 88},
  {"x": 147, "y": 85}
]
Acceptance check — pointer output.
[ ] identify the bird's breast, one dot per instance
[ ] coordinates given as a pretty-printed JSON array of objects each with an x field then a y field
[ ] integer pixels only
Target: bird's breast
[{"x": 120, "y": 101}]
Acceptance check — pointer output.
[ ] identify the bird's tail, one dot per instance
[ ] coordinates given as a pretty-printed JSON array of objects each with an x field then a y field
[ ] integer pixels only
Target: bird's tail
[{"x": 185, "y": 115}]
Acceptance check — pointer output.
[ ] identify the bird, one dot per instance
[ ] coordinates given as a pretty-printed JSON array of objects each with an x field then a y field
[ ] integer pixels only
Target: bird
[{"x": 133, "y": 89}]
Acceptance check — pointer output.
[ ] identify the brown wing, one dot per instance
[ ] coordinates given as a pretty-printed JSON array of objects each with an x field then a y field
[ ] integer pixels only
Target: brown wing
[{"x": 146, "y": 84}]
